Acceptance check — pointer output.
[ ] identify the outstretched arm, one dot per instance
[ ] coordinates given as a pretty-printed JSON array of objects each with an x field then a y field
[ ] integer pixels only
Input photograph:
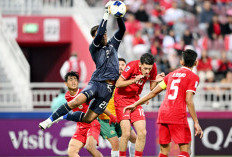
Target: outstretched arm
[
  {"x": 102, "y": 27},
  {"x": 145, "y": 98},
  {"x": 122, "y": 28}
]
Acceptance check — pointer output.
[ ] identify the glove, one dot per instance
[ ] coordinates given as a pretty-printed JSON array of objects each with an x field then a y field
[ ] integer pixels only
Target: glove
[
  {"x": 107, "y": 10},
  {"x": 113, "y": 119}
]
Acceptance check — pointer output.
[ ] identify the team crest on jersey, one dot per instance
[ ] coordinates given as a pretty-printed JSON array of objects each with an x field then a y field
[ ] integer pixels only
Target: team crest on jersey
[
  {"x": 127, "y": 68},
  {"x": 80, "y": 107},
  {"x": 112, "y": 132}
]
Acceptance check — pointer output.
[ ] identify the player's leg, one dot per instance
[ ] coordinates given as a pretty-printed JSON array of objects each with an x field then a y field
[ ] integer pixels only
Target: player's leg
[
  {"x": 140, "y": 127},
  {"x": 92, "y": 139},
  {"x": 104, "y": 92},
  {"x": 164, "y": 150},
  {"x": 181, "y": 135},
  {"x": 114, "y": 141},
  {"x": 74, "y": 147},
  {"x": 91, "y": 145},
  {"x": 125, "y": 127},
  {"x": 132, "y": 140},
  {"x": 110, "y": 133},
  {"x": 164, "y": 140},
  {"x": 184, "y": 150},
  {"x": 86, "y": 95}
]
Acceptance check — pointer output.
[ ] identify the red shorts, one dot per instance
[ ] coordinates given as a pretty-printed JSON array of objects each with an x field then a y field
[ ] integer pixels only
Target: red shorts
[
  {"x": 136, "y": 115},
  {"x": 82, "y": 133},
  {"x": 179, "y": 133}
]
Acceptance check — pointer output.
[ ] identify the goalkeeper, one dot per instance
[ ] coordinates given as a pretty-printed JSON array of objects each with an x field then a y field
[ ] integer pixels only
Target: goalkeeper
[{"x": 102, "y": 83}]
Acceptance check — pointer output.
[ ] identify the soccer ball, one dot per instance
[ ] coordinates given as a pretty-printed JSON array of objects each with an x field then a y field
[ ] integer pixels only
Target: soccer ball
[{"x": 118, "y": 9}]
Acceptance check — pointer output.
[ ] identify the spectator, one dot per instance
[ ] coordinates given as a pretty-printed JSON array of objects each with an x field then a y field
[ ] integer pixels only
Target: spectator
[
  {"x": 187, "y": 37},
  {"x": 173, "y": 14},
  {"x": 59, "y": 100},
  {"x": 215, "y": 28},
  {"x": 224, "y": 65},
  {"x": 204, "y": 67},
  {"x": 227, "y": 27},
  {"x": 141, "y": 14},
  {"x": 206, "y": 15},
  {"x": 76, "y": 65}
]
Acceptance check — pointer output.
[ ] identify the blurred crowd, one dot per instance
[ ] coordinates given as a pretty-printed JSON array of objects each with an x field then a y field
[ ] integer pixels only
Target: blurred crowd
[{"x": 165, "y": 27}]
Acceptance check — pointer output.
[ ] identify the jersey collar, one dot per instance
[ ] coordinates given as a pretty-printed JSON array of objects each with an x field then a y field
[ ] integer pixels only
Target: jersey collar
[{"x": 187, "y": 68}]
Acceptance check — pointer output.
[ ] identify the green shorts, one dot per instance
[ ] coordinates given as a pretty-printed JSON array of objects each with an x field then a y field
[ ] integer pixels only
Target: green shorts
[{"x": 108, "y": 131}]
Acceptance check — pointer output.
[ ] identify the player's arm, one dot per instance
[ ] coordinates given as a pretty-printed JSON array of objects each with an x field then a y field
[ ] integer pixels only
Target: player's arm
[
  {"x": 158, "y": 79},
  {"x": 113, "y": 119},
  {"x": 122, "y": 28},
  {"x": 147, "y": 97},
  {"x": 191, "y": 109},
  {"x": 121, "y": 82},
  {"x": 102, "y": 27}
]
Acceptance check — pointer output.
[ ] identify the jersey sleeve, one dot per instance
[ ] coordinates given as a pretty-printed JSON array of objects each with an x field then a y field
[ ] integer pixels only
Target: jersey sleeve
[
  {"x": 193, "y": 83},
  {"x": 93, "y": 47},
  {"x": 115, "y": 42},
  {"x": 128, "y": 71},
  {"x": 153, "y": 73}
]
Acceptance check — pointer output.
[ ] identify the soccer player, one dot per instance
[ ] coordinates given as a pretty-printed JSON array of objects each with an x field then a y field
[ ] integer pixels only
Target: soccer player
[
  {"x": 102, "y": 83},
  {"x": 180, "y": 87},
  {"x": 86, "y": 133},
  {"x": 112, "y": 131},
  {"x": 129, "y": 87}
]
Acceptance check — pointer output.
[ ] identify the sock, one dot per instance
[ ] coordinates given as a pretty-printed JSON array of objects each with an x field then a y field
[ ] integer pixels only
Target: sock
[
  {"x": 184, "y": 154},
  {"x": 132, "y": 149},
  {"x": 162, "y": 155},
  {"x": 137, "y": 153},
  {"x": 122, "y": 154},
  {"x": 114, "y": 153},
  {"x": 74, "y": 116},
  {"x": 62, "y": 110}
]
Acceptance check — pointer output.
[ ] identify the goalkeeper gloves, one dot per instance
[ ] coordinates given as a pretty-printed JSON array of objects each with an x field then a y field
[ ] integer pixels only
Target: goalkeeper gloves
[{"x": 107, "y": 10}]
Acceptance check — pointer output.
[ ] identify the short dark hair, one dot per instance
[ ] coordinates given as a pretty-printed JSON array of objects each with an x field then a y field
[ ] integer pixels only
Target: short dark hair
[
  {"x": 189, "y": 56},
  {"x": 93, "y": 30},
  {"x": 122, "y": 59},
  {"x": 147, "y": 58},
  {"x": 71, "y": 73}
]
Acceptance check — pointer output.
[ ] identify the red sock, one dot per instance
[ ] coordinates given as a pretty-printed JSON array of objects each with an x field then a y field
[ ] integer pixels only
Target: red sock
[
  {"x": 122, "y": 154},
  {"x": 184, "y": 154},
  {"x": 162, "y": 155},
  {"x": 137, "y": 153}
]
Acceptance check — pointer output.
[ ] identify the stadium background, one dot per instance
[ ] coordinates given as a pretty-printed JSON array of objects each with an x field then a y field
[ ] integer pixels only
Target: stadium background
[{"x": 37, "y": 36}]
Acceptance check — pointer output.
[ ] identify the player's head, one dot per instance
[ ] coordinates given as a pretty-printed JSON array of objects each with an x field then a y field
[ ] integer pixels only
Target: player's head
[
  {"x": 93, "y": 33},
  {"x": 188, "y": 58},
  {"x": 122, "y": 64},
  {"x": 146, "y": 63},
  {"x": 71, "y": 80}
]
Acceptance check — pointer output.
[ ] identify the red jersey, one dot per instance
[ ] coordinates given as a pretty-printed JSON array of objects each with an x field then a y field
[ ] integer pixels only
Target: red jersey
[
  {"x": 82, "y": 108},
  {"x": 173, "y": 108},
  {"x": 131, "y": 71}
]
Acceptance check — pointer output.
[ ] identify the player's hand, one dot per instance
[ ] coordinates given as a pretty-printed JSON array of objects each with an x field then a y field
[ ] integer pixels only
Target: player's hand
[
  {"x": 130, "y": 108},
  {"x": 198, "y": 130},
  {"x": 107, "y": 7},
  {"x": 138, "y": 77},
  {"x": 160, "y": 77},
  {"x": 113, "y": 119}
]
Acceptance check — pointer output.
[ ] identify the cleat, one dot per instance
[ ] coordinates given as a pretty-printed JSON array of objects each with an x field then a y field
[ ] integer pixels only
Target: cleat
[{"x": 45, "y": 124}]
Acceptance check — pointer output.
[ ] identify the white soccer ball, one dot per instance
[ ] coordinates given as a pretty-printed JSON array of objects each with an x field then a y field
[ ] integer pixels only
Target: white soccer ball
[{"x": 118, "y": 9}]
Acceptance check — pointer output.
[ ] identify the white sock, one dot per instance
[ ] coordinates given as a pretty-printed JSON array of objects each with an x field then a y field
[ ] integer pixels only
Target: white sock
[
  {"x": 114, "y": 153},
  {"x": 132, "y": 149}
]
